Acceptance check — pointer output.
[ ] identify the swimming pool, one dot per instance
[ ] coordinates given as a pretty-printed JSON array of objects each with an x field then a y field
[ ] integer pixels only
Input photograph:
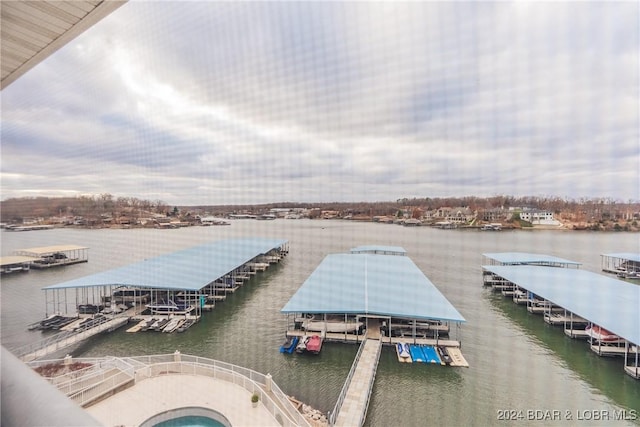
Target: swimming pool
[
  {"x": 190, "y": 421},
  {"x": 188, "y": 417}
]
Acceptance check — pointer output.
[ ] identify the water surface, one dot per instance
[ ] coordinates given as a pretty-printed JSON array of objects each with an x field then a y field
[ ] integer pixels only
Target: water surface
[{"x": 518, "y": 363}]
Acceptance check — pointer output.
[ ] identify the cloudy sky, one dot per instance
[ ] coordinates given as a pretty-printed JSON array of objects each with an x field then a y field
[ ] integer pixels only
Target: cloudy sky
[{"x": 223, "y": 102}]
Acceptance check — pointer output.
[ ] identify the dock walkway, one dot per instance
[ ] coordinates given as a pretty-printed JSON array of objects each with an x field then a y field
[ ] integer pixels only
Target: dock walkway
[
  {"x": 62, "y": 340},
  {"x": 353, "y": 410}
]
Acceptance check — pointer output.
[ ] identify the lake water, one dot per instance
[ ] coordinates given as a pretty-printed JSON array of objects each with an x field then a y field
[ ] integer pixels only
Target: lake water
[{"x": 518, "y": 363}]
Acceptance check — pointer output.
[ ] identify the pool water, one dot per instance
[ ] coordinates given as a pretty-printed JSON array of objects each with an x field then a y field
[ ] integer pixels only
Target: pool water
[{"x": 190, "y": 421}]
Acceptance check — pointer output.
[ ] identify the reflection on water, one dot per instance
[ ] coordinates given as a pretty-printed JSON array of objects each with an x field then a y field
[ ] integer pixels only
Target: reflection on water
[{"x": 517, "y": 361}]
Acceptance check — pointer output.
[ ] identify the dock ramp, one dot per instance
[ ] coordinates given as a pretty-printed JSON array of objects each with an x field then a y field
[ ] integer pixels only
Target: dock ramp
[
  {"x": 62, "y": 340},
  {"x": 352, "y": 404}
]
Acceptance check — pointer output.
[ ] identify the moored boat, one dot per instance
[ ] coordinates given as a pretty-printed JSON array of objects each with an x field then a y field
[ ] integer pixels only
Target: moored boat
[
  {"x": 602, "y": 335},
  {"x": 186, "y": 325},
  {"x": 403, "y": 350},
  {"x": 314, "y": 344},
  {"x": 302, "y": 344},
  {"x": 289, "y": 345},
  {"x": 172, "y": 325},
  {"x": 169, "y": 307},
  {"x": 444, "y": 354}
]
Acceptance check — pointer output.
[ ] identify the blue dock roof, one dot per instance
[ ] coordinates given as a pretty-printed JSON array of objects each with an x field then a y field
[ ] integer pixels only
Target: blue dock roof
[
  {"x": 506, "y": 258},
  {"x": 610, "y": 303},
  {"x": 366, "y": 283},
  {"x": 384, "y": 250},
  {"x": 189, "y": 269}
]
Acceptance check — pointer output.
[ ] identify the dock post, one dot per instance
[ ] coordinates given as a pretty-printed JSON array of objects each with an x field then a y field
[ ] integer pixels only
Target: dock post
[{"x": 267, "y": 383}]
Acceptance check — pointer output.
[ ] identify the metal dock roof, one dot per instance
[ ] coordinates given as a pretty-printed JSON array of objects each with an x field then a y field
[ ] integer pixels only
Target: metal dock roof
[
  {"x": 359, "y": 283},
  {"x": 506, "y": 258},
  {"x": 16, "y": 259},
  {"x": 629, "y": 256},
  {"x": 188, "y": 269},
  {"x": 384, "y": 250},
  {"x": 46, "y": 250},
  {"x": 610, "y": 303}
]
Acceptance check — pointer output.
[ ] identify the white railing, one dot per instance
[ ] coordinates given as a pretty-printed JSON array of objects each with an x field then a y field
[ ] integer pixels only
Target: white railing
[
  {"x": 103, "y": 380},
  {"x": 108, "y": 384},
  {"x": 63, "y": 339},
  {"x": 363, "y": 416},
  {"x": 103, "y": 370},
  {"x": 250, "y": 380}
]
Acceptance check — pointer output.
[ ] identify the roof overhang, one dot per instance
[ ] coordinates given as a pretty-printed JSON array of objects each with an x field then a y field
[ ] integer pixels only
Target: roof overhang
[{"x": 33, "y": 30}]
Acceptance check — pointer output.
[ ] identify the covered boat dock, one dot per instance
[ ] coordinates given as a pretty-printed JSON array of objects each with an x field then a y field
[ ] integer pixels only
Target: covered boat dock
[
  {"x": 15, "y": 263},
  {"x": 191, "y": 274},
  {"x": 509, "y": 289},
  {"x": 373, "y": 295},
  {"x": 169, "y": 289},
  {"x": 526, "y": 258},
  {"x": 371, "y": 290},
  {"x": 604, "y": 302},
  {"x": 625, "y": 265},
  {"x": 54, "y": 256}
]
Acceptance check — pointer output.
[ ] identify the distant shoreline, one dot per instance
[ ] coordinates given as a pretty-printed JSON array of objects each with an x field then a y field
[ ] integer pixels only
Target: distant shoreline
[{"x": 505, "y": 227}]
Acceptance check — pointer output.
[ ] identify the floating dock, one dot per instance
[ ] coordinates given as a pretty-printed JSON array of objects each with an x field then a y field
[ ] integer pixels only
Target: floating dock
[
  {"x": 16, "y": 263},
  {"x": 374, "y": 296},
  {"x": 555, "y": 318},
  {"x": 573, "y": 297},
  {"x": 187, "y": 276},
  {"x": 55, "y": 256},
  {"x": 387, "y": 295},
  {"x": 625, "y": 265},
  {"x": 65, "y": 339},
  {"x": 43, "y": 257}
]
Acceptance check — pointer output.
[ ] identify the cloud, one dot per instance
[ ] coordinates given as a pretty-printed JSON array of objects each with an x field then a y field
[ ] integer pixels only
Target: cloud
[{"x": 217, "y": 102}]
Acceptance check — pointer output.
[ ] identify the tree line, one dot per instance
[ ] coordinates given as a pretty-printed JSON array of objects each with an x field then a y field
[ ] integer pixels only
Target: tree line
[{"x": 92, "y": 207}]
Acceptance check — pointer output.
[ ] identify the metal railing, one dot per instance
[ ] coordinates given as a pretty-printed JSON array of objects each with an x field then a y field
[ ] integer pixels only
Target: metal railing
[
  {"x": 93, "y": 391},
  {"x": 343, "y": 393},
  {"x": 363, "y": 416},
  {"x": 63, "y": 339},
  {"x": 86, "y": 384},
  {"x": 102, "y": 371}
]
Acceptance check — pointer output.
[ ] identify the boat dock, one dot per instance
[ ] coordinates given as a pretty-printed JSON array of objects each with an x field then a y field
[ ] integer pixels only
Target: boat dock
[
  {"x": 579, "y": 334},
  {"x": 601, "y": 309},
  {"x": 352, "y": 405},
  {"x": 168, "y": 293},
  {"x": 15, "y": 263},
  {"x": 625, "y": 265},
  {"x": 28, "y": 227},
  {"x": 389, "y": 300},
  {"x": 43, "y": 257},
  {"x": 562, "y": 319},
  {"x": 55, "y": 256}
]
